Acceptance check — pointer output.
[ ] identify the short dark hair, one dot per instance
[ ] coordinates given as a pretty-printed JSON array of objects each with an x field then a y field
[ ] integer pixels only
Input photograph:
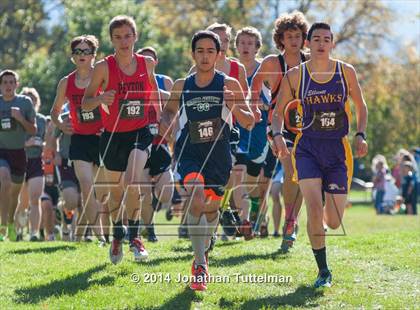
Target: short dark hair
[
  {"x": 89, "y": 39},
  {"x": 319, "y": 25},
  {"x": 121, "y": 20},
  {"x": 205, "y": 34},
  {"x": 9, "y": 72},
  {"x": 150, "y": 50}
]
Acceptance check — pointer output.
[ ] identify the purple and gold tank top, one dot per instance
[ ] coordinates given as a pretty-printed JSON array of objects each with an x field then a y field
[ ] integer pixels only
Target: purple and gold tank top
[{"x": 325, "y": 107}]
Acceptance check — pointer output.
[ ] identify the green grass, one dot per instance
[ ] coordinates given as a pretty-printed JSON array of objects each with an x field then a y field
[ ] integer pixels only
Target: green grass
[{"x": 375, "y": 265}]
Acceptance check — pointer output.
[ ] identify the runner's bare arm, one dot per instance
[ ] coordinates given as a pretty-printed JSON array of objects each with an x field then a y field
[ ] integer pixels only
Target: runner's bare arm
[
  {"x": 168, "y": 83},
  {"x": 171, "y": 109},
  {"x": 90, "y": 100},
  {"x": 155, "y": 95},
  {"x": 361, "y": 108},
  {"x": 264, "y": 74},
  {"x": 235, "y": 100},
  {"x": 242, "y": 80},
  {"x": 60, "y": 99},
  {"x": 28, "y": 125},
  {"x": 284, "y": 96}
]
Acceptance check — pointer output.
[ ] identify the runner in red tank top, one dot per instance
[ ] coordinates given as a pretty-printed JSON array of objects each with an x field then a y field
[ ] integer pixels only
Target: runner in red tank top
[
  {"x": 84, "y": 126},
  {"x": 130, "y": 92}
]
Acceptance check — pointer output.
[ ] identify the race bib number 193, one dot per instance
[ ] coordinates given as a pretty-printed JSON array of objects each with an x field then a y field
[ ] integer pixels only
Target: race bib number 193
[{"x": 88, "y": 116}]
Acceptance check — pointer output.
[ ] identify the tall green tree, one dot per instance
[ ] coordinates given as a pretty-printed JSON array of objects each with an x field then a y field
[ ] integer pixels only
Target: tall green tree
[{"x": 22, "y": 31}]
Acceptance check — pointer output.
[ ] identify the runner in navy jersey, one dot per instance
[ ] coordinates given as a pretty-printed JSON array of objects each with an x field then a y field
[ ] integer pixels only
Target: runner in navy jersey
[{"x": 205, "y": 101}]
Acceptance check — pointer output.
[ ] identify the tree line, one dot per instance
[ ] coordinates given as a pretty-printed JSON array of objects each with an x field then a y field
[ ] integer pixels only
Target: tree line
[{"x": 39, "y": 49}]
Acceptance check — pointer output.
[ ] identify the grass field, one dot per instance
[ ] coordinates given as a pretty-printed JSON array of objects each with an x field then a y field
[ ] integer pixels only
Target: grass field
[{"x": 375, "y": 262}]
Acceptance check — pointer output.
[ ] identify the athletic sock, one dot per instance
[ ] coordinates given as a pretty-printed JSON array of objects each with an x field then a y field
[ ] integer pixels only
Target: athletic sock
[
  {"x": 118, "y": 230},
  {"x": 133, "y": 229},
  {"x": 321, "y": 258},
  {"x": 255, "y": 206},
  {"x": 211, "y": 228},
  {"x": 290, "y": 214},
  {"x": 197, "y": 229},
  {"x": 225, "y": 200},
  {"x": 150, "y": 229}
]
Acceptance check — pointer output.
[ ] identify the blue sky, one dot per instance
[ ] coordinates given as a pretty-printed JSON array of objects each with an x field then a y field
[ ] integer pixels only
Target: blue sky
[{"x": 406, "y": 28}]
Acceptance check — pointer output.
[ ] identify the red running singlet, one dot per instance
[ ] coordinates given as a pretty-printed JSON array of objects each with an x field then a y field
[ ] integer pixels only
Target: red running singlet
[
  {"x": 131, "y": 107},
  {"x": 83, "y": 122}
]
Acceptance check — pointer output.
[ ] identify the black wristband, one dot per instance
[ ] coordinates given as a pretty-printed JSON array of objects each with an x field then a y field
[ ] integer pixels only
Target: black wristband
[
  {"x": 279, "y": 133},
  {"x": 361, "y": 134}
]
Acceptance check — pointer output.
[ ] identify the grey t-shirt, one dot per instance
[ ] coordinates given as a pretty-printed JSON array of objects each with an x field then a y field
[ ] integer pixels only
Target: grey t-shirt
[
  {"x": 36, "y": 151},
  {"x": 64, "y": 142},
  {"x": 12, "y": 133}
]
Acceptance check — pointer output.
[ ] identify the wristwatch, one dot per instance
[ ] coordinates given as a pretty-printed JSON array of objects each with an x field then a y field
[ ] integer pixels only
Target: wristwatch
[
  {"x": 279, "y": 133},
  {"x": 361, "y": 134}
]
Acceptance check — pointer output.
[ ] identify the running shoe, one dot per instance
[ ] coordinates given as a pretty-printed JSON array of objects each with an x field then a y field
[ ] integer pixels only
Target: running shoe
[
  {"x": 137, "y": 247},
  {"x": 246, "y": 230},
  {"x": 199, "y": 277},
  {"x": 116, "y": 251},
  {"x": 263, "y": 230},
  {"x": 289, "y": 236},
  {"x": 324, "y": 279}
]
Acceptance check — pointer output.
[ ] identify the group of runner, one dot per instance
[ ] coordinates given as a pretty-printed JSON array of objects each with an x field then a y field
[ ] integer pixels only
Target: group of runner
[{"x": 124, "y": 139}]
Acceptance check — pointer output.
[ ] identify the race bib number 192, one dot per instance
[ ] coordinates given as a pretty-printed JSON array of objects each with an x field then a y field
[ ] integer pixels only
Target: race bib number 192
[{"x": 131, "y": 109}]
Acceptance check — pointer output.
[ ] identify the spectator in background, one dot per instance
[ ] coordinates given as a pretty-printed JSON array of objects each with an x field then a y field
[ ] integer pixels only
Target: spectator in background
[
  {"x": 379, "y": 168},
  {"x": 401, "y": 156},
  {"x": 390, "y": 203},
  {"x": 416, "y": 153},
  {"x": 409, "y": 187}
]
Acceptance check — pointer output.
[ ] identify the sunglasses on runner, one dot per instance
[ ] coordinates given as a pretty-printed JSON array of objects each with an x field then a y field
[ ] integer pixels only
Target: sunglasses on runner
[{"x": 84, "y": 51}]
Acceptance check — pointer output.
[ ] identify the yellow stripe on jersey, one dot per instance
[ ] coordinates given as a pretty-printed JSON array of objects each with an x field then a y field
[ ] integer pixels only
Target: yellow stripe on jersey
[
  {"x": 297, "y": 93},
  {"x": 293, "y": 156},
  {"x": 319, "y": 82},
  {"x": 348, "y": 161}
]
